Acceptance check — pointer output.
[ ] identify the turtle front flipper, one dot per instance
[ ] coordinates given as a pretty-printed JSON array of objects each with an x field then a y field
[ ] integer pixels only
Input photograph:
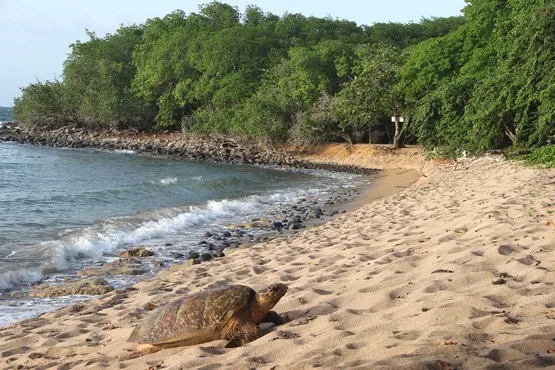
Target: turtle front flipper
[
  {"x": 274, "y": 318},
  {"x": 246, "y": 333}
]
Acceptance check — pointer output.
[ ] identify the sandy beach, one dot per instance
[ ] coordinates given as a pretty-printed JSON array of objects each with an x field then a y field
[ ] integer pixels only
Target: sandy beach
[{"x": 455, "y": 271}]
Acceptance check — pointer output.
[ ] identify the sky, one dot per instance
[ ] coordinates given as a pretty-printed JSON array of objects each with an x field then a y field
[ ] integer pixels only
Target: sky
[{"x": 35, "y": 34}]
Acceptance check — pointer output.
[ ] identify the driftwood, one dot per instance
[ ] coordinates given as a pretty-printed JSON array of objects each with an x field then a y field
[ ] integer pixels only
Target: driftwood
[{"x": 465, "y": 161}]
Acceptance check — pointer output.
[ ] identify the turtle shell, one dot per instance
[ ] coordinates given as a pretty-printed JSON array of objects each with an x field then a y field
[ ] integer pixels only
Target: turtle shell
[{"x": 193, "y": 319}]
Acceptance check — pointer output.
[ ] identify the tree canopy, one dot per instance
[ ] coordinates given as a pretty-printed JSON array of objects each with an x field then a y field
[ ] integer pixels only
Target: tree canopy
[
  {"x": 488, "y": 84},
  {"x": 481, "y": 81}
]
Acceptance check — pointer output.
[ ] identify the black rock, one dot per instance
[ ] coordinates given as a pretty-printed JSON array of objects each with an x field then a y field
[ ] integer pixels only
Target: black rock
[
  {"x": 277, "y": 225},
  {"x": 205, "y": 257},
  {"x": 315, "y": 213},
  {"x": 226, "y": 234},
  {"x": 177, "y": 255},
  {"x": 193, "y": 255},
  {"x": 208, "y": 234}
]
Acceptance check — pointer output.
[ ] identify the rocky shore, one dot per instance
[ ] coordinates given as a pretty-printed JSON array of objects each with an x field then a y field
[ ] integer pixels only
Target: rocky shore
[
  {"x": 212, "y": 148},
  {"x": 139, "y": 262}
]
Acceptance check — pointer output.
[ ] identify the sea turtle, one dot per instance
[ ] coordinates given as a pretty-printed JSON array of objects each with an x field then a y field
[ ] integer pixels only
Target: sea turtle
[{"x": 232, "y": 312}]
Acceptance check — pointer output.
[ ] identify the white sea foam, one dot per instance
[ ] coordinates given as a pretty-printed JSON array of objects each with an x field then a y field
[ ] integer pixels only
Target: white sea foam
[
  {"x": 168, "y": 181},
  {"x": 119, "y": 233},
  {"x": 12, "y": 279},
  {"x": 124, "y": 151},
  {"x": 115, "y": 234}
]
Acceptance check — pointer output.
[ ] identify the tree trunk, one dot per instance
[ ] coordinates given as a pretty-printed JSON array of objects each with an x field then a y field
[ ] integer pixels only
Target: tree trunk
[
  {"x": 396, "y": 136},
  {"x": 357, "y": 136}
]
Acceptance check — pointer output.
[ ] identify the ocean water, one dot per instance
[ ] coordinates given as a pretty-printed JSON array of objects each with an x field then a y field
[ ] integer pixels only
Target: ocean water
[
  {"x": 63, "y": 209},
  {"x": 5, "y": 114}
]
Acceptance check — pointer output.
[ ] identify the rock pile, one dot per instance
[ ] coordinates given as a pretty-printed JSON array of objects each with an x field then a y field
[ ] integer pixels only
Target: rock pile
[{"x": 211, "y": 148}]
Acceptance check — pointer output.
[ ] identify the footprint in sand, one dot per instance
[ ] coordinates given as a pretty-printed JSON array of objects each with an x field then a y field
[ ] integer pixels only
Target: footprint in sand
[
  {"x": 293, "y": 270},
  {"x": 15, "y": 351},
  {"x": 399, "y": 293},
  {"x": 321, "y": 279},
  {"x": 497, "y": 301},
  {"x": 289, "y": 258},
  {"x": 365, "y": 258},
  {"x": 406, "y": 335},
  {"x": 71, "y": 334},
  {"x": 436, "y": 287},
  {"x": 505, "y": 249},
  {"x": 289, "y": 277},
  {"x": 298, "y": 264},
  {"x": 259, "y": 269},
  {"x": 360, "y": 311},
  {"x": 370, "y": 289}
]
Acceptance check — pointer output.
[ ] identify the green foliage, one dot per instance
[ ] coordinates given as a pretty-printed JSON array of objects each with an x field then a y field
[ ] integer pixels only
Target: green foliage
[
  {"x": 97, "y": 79},
  {"x": 544, "y": 156},
  {"x": 163, "y": 74},
  {"x": 371, "y": 96},
  {"x": 255, "y": 73},
  {"x": 490, "y": 83},
  {"x": 43, "y": 103},
  {"x": 404, "y": 35}
]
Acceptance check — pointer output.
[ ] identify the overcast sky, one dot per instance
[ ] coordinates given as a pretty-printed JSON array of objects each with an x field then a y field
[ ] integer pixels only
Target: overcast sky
[{"x": 35, "y": 34}]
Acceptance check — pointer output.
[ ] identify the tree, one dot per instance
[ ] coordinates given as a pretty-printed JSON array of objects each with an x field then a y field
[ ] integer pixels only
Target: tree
[
  {"x": 163, "y": 74},
  {"x": 371, "y": 96},
  {"x": 256, "y": 73},
  {"x": 97, "y": 79},
  {"x": 489, "y": 84}
]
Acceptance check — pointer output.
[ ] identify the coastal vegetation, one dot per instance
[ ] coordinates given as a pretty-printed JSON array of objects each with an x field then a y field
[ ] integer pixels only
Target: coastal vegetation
[{"x": 477, "y": 82}]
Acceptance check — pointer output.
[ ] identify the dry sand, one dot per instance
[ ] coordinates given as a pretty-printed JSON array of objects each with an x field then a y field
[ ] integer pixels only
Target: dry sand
[{"x": 454, "y": 272}]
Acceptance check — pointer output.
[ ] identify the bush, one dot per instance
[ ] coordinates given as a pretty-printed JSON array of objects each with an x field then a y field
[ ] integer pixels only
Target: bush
[
  {"x": 544, "y": 156},
  {"x": 43, "y": 103}
]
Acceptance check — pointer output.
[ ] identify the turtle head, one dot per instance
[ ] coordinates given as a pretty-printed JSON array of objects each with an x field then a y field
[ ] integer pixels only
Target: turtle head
[{"x": 268, "y": 297}]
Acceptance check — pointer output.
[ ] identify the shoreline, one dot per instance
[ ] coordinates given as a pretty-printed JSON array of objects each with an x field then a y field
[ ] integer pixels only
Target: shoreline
[
  {"x": 454, "y": 271},
  {"x": 202, "y": 147},
  {"x": 344, "y": 200}
]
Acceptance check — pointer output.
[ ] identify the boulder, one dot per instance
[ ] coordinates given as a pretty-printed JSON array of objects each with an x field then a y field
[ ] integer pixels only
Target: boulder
[
  {"x": 110, "y": 269},
  {"x": 94, "y": 286},
  {"x": 136, "y": 252}
]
